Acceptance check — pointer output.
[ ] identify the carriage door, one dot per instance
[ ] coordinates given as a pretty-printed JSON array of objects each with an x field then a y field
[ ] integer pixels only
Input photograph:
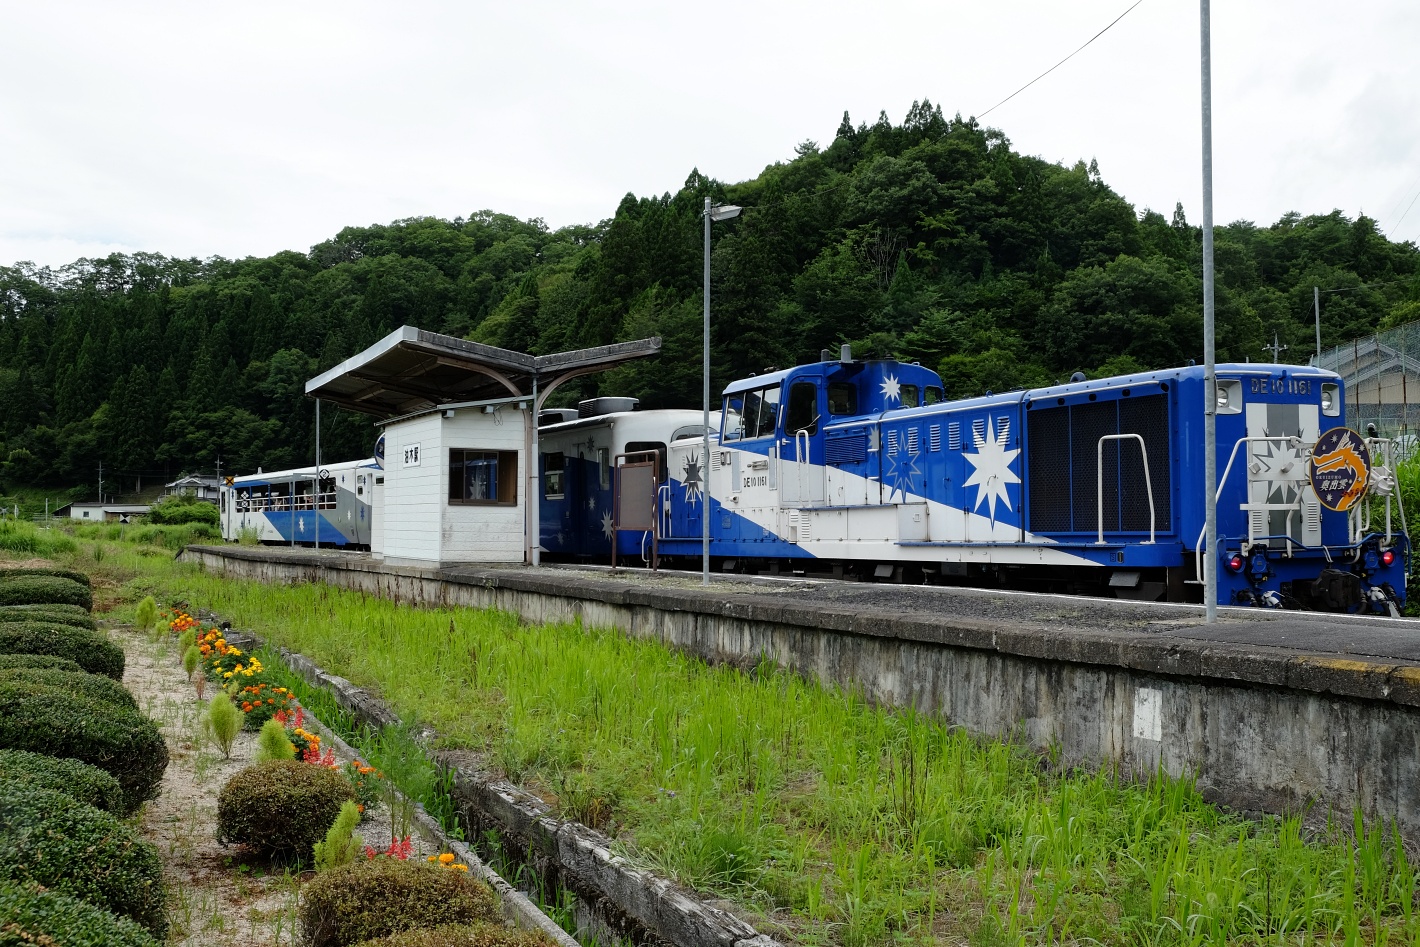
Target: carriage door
[{"x": 801, "y": 469}]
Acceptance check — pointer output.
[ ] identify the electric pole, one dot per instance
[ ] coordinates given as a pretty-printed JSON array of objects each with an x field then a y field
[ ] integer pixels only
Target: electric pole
[
  {"x": 101, "y": 481},
  {"x": 1276, "y": 348}
]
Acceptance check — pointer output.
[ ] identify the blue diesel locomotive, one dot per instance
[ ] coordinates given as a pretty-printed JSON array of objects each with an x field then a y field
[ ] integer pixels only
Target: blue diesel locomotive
[{"x": 1096, "y": 486}]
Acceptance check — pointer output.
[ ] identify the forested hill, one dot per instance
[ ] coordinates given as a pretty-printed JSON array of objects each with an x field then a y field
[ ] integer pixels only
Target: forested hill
[{"x": 931, "y": 240}]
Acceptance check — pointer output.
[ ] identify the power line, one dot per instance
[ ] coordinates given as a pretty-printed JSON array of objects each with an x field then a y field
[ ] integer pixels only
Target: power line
[
  {"x": 1352, "y": 289},
  {"x": 844, "y": 183},
  {"x": 1060, "y": 63}
]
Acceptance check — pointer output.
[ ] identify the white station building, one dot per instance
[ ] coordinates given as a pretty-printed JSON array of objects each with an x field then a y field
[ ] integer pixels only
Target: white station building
[{"x": 458, "y": 422}]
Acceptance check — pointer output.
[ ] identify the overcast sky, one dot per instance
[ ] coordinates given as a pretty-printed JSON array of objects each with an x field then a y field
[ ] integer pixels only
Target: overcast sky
[{"x": 244, "y": 129}]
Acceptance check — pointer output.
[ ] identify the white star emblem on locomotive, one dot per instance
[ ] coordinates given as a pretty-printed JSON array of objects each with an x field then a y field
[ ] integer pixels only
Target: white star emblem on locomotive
[
  {"x": 891, "y": 388},
  {"x": 691, "y": 472},
  {"x": 992, "y": 469}
]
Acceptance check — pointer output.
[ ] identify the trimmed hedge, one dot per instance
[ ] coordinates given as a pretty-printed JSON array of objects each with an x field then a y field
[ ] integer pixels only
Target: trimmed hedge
[
  {"x": 463, "y": 935},
  {"x": 77, "y": 610},
  {"x": 86, "y": 783},
  {"x": 94, "y": 686},
  {"x": 384, "y": 896},
  {"x": 73, "y": 575},
  {"x": 91, "y": 650},
  {"x": 50, "y": 614},
  {"x": 30, "y": 915},
  {"x": 54, "y": 840},
  {"x": 44, "y": 590},
  {"x": 48, "y": 661},
  {"x": 281, "y": 808},
  {"x": 122, "y": 742}
]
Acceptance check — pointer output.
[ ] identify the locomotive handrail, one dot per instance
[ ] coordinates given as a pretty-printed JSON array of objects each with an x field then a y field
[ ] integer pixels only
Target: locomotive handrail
[
  {"x": 1099, "y": 480},
  {"x": 1261, "y": 438}
]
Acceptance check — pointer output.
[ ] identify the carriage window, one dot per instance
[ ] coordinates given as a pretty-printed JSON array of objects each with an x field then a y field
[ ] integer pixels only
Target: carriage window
[
  {"x": 909, "y": 396},
  {"x": 552, "y": 467},
  {"x": 633, "y": 447},
  {"x": 803, "y": 408},
  {"x": 934, "y": 395},
  {"x": 483, "y": 476},
  {"x": 842, "y": 398},
  {"x": 604, "y": 466}
]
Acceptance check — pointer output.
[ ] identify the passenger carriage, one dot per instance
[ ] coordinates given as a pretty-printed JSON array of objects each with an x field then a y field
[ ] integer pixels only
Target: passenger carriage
[
  {"x": 297, "y": 506},
  {"x": 580, "y": 450}
]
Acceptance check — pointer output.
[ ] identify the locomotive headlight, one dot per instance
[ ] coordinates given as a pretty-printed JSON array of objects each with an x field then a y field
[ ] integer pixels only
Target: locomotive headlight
[
  {"x": 1330, "y": 399},
  {"x": 1229, "y": 395}
]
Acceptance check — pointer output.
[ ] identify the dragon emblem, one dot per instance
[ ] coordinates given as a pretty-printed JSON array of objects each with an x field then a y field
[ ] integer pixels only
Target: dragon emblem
[{"x": 1340, "y": 469}]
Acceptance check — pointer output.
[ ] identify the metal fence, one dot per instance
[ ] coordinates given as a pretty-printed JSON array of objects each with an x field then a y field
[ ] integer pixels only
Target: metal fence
[{"x": 1382, "y": 377}]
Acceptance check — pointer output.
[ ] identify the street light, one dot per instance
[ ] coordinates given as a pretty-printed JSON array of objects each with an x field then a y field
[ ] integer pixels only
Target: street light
[{"x": 712, "y": 212}]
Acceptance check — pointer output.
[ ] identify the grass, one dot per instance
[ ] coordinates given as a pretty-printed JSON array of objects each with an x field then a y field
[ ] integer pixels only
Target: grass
[{"x": 833, "y": 820}]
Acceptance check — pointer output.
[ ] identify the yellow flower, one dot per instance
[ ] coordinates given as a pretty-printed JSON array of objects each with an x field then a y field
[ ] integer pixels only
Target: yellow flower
[
  {"x": 433, "y": 858},
  {"x": 460, "y": 866},
  {"x": 226, "y": 673},
  {"x": 445, "y": 858}
]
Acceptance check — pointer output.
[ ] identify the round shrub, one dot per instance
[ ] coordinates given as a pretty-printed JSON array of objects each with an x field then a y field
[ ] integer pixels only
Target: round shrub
[
  {"x": 384, "y": 896},
  {"x": 281, "y": 808},
  {"x": 73, "y": 575},
  {"x": 83, "y": 782},
  {"x": 94, "y": 686},
  {"x": 37, "y": 661},
  {"x": 35, "y": 915},
  {"x": 120, "y": 741},
  {"x": 463, "y": 935},
  {"x": 51, "y": 839},
  {"x": 52, "y": 614},
  {"x": 91, "y": 650},
  {"x": 44, "y": 590}
]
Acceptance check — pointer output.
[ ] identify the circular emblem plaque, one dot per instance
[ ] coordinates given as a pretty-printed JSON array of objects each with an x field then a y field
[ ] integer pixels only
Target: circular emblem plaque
[{"x": 1340, "y": 468}]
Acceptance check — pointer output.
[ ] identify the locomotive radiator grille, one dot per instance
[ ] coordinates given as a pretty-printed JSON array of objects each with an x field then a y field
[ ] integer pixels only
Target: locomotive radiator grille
[
  {"x": 934, "y": 437},
  {"x": 1064, "y": 445}
]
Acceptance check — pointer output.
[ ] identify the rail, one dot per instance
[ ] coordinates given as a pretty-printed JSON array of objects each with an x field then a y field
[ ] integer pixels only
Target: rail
[{"x": 1099, "y": 480}]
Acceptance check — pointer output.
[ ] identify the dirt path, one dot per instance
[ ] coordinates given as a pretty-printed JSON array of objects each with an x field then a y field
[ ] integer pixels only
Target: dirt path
[{"x": 217, "y": 897}]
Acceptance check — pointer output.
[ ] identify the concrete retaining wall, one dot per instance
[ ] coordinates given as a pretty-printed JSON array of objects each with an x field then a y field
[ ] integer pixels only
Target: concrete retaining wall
[{"x": 1262, "y": 728}]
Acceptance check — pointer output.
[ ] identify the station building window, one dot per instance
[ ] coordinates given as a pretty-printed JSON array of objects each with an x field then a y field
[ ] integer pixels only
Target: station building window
[{"x": 488, "y": 477}]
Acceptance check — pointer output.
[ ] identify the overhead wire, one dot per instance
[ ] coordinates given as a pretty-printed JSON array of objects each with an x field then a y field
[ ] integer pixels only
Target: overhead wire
[{"x": 828, "y": 190}]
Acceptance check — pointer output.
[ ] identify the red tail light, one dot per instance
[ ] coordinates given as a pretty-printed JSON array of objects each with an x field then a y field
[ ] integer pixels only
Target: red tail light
[
  {"x": 1388, "y": 557},
  {"x": 1236, "y": 563}
]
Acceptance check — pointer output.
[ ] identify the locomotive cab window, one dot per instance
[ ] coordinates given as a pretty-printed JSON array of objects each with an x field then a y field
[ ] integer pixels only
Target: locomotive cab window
[
  {"x": 842, "y": 398},
  {"x": 487, "y": 477},
  {"x": 553, "y": 466},
  {"x": 909, "y": 395},
  {"x": 803, "y": 409},
  {"x": 933, "y": 395}
]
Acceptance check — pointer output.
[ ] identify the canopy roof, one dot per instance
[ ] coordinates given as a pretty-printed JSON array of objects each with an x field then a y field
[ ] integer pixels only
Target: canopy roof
[{"x": 412, "y": 370}]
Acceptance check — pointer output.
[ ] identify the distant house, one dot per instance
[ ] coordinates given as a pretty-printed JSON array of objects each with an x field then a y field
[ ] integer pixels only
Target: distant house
[
  {"x": 201, "y": 486},
  {"x": 105, "y": 512}
]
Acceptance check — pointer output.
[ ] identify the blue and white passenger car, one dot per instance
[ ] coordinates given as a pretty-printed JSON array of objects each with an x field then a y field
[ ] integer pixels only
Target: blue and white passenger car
[
  {"x": 579, "y": 452},
  {"x": 1096, "y": 485},
  {"x": 288, "y": 507}
]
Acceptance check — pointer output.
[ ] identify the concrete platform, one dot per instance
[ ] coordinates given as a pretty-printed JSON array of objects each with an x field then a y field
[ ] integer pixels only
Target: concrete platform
[{"x": 1272, "y": 711}]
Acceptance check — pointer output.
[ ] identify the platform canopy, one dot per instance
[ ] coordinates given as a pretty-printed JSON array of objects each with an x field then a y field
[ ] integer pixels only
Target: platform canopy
[{"x": 411, "y": 370}]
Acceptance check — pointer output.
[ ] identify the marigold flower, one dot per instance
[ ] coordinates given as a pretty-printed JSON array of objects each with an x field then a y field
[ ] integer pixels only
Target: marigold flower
[{"x": 445, "y": 858}]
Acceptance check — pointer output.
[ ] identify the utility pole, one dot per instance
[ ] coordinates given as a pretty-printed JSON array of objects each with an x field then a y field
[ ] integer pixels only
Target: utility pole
[
  {"x": 1210, "y": 379},
  {"x": 1276, "y": 348},
  {"x": 101, "y": 481},
  {"x": 1316, "y": 306},
  {"x": 219, "y": 470}
]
